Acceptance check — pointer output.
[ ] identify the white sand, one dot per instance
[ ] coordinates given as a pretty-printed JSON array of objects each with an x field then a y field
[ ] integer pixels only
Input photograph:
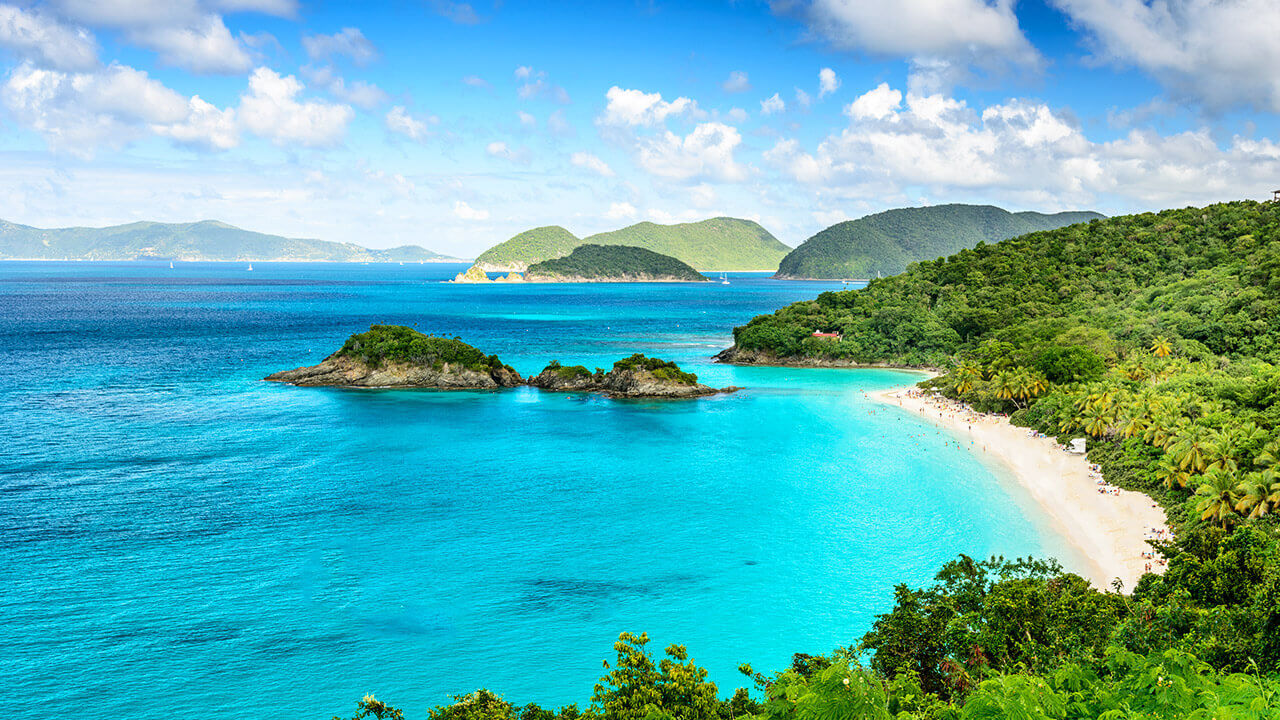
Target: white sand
[{"x": 1110, "y": 529}]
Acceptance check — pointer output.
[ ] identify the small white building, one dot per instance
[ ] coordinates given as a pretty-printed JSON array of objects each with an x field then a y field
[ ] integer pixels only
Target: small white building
[{"x": 1076, "y": 447}]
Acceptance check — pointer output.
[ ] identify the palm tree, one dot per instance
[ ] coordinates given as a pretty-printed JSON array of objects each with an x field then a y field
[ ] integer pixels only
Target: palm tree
[
  {"x": 1163, "y": 427},
  {"x": 966, "y": 375},
  {"x": 1259, "y": 493},
  {"x": 1037, "y": 384},
  {"x": 1192, "y": 448},
  {"x": 1216, "y": 498},
  {"x": 1160, "y": 347},
  {"x": 1133, "y": 423},
  {"x": 1171, "y": 475},
  {"x": 1006, "y": 385},
  {"x": 1269, "y": 455},
  {"x": 1222, "y": 450},
  {"x": 1097, "y": 421}
]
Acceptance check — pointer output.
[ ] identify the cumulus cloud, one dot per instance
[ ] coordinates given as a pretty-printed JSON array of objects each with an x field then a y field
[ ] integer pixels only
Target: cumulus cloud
[
  {"x": 636, "y": 108},
  {"x": 943, "y": 38},
  {"x": 500, "y": 149},
  {"x": 706, "y": 152},
  {"x": 349, "y": 42},
  {"x": 364, "y": 95},
  {"x": 1222, "y": 53},
  {"x": 590, "y": 162},
  {"x": 203, "y": 46},
  {"x": 772, "y": 105},
  {"x": 737, "y": 82},
  {"x": 466, "y": 212},
  {"x": 803, "y": 99},
  {"x": 621, "y": 211},
  {"x": 1018, "y": 149},
  {"x": 737, "y": 115},
  {"x": 828, "y": 82},
  {"x": 35, "y": 36},
  {"x": 400, "y": 121},
  {"x": 78, "y": 112},
  {"x": 271, "y": 109}
]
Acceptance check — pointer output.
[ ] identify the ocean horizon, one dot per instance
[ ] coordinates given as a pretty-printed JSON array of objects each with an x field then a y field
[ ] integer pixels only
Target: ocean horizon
[{"x": 178, "y": 537}]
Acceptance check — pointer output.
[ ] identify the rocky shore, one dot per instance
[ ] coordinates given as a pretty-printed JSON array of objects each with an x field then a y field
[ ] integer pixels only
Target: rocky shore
[{"x": 341, "y": 371}]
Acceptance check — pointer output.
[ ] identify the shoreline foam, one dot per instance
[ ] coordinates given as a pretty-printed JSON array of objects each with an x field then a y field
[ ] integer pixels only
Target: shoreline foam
[{"x": 1110, "y": 530}]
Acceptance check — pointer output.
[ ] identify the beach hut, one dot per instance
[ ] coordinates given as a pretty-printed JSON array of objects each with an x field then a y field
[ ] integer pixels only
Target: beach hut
[{"x": 1076, "y": 447}]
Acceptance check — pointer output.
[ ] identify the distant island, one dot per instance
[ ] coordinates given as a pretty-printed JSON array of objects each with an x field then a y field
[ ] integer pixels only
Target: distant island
[
  {"x": 395, "y": 356},
  {"x": 886, "y": 243},
  {"x": 714, "y": 245},
  {"x": 596, "y": 263},
  {"x": 207, "y": 241},
  {"x": 634, "y": 377}
]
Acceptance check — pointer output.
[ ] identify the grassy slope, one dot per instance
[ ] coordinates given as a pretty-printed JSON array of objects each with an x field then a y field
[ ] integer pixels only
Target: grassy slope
[
  {"x": 529, "y": 247},
  {"x": 614, "y": 262},
  {"x": 887, "y": 242},
  {"x": 709, "y": 245},
  {"x": 207, "y": 240}
]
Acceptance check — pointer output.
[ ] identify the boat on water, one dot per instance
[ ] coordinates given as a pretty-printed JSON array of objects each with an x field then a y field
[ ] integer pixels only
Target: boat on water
[
  {"x": 250, "y": 266},
  {"x": 724, "y": 279},
  {"x": 170, "y": 265}
]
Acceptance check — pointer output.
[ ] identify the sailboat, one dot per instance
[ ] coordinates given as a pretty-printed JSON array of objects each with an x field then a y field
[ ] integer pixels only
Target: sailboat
[
  {"x": 724, "y": 280},
  {"x": 170, "y": 264},
  {"x": 250, "y": 266}
]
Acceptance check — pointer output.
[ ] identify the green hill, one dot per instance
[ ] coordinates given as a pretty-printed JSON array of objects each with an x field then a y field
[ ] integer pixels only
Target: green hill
[
  {"x": 530, "y": 246},
  {"x": 885, "y": 243},
  {"x": 613, "y": 263},
  {"x": 208, "y": 240},
  {"x": 710, "y": 245}
]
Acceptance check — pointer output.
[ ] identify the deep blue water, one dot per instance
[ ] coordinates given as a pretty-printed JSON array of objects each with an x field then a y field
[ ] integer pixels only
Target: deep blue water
[{"x": 180, "y": 539}]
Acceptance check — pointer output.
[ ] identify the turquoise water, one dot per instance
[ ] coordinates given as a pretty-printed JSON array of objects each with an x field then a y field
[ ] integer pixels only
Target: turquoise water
[{"x": 180, "y": 539}]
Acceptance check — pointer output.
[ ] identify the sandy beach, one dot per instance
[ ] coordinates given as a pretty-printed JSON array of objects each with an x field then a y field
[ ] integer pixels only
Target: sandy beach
[{"x": 1108, "y": 525}]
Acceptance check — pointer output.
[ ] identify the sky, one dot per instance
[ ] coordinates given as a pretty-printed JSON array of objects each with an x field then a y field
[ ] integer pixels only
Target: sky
[{"x": 456, "y": 125}]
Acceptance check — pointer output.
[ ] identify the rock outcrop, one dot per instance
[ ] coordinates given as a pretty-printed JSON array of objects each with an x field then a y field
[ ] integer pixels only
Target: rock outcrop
[{"x": 634, "y": 377}]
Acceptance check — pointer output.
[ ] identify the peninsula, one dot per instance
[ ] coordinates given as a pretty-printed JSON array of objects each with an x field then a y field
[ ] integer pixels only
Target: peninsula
[{"x": 394, "y": 356}]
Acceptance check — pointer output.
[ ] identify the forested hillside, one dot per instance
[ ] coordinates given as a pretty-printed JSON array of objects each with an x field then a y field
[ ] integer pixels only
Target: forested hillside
[{"x": 886, "y": 243}]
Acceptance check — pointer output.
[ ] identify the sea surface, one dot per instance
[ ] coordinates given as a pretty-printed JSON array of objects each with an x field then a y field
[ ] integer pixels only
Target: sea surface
[{"x": 180, "y": 539}]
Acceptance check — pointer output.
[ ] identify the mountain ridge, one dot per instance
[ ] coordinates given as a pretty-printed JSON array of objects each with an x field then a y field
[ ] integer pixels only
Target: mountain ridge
[{"x": 199, "y": 241}]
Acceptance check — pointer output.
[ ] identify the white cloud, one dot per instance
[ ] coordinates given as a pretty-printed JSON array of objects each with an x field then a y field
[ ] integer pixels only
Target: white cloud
[
  {"x": 942, "y": 37},
  {"x": 42, "y": 39},
  {"x": 707, "y": 152},
  {"x": 803, "y": 99},
  {"x": 113, "y": 106},
  {"x": 476, "y": 81},
  {"x": 737, "y": 115},
  {"x": 279, "y": 8},
  {"x": 590, "y": 162},
  {"x": 271, "y": 109},
  {"x": 1021, "y": 151},
  {"x": 828, "y": 82},
  {"x": 621, "y": 211},
  {"x": 364, "y": 95},
  {"x": 558, "y": 124},
  {"x": 349, "y": 42},
  {"x": 459, "y": 12},
  {"x": 499, "y": 149},
  {"x": 526, "y": 120},
  {"x": 466, "y": 212},
  {"x": 737, "y": 82},
  {"x": 1223, "y": 53},
  {"x": 399, "y": 121},
  {"x": 876, "y": 103},
  {"x": 772, "y": 105},
  {"x": 204, "y": 46},
  {"x": 634, "y": 108}
]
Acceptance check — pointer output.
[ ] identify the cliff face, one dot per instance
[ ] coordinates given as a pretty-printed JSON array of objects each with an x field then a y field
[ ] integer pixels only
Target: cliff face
[
  {"x": 618, "y": 383},
  {"x": 342, "y": 371}
]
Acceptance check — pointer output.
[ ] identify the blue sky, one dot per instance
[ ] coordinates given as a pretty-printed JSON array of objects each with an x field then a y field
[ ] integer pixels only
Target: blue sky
[{"x": 455, "y": 125}]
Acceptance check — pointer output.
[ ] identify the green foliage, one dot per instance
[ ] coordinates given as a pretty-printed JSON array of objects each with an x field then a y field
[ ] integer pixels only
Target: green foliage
[
  {"x": 568, "y": 372},
  {"x": 1070, "y": 364},
  {"x": 383, "y": 344},
  {"x": 886, "y": 243},
  {"x": 661, "y": 369},
  {"x": 614, "y": 262},
  {"x": 529, "y": 247}
]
